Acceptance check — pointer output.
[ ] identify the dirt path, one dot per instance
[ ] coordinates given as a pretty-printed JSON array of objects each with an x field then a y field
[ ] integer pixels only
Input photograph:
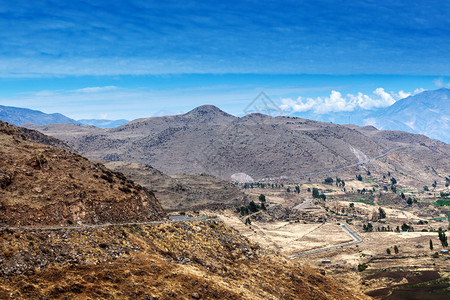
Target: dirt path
[{"x": 187, "y": 219}]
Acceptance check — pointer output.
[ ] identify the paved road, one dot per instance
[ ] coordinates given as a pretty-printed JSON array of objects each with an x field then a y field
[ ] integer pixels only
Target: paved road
[
  {"x": 297, "y": 176},
  {"x": 185, "y": 219},
  {"x": 356, "y": 238},
  {"x": 301, "y": 205}
]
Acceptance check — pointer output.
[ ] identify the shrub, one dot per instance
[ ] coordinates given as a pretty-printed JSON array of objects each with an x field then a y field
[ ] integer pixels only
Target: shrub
[{"x": 362, "y": 267}]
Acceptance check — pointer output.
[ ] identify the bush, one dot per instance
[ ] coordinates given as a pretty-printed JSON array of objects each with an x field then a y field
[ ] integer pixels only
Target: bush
[
  {"x": 362, "y": 267},
  {"x": 262, "y": 198}
]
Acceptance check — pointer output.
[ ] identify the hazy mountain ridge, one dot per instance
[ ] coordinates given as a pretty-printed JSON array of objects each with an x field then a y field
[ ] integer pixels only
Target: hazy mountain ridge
[
  {"x": 426, "y": 113},
  {"x": 19, "y": 116}
]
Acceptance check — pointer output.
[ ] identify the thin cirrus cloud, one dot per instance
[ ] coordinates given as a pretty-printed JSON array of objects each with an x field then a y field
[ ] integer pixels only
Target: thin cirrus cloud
[
  {"x": 336, "y": 102},
  {"x": 71, "y": 38}
]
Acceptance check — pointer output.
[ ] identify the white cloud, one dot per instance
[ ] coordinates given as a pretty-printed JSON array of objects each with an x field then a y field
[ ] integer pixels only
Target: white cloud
[
  {"x": 96, "y": 89},
  {"x": 337, "y": 103}
]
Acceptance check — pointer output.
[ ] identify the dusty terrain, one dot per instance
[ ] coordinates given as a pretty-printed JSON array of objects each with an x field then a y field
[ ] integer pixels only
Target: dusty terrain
[
  {"x": 287, "y": 228},
  {"x": 48, "y": 195},
  {"x": 45, "y": 185},
  {"x": 205, "y": 260},
  {"x": 183, "y": 191}
]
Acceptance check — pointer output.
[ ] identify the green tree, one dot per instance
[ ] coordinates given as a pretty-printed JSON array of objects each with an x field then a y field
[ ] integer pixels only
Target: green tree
[
  {"x": 388, "y": 251},
  {"x": 396, "y": 249},
  {"x": 431, "y": 244},
  {"x": 443, "y": 238},
  {"x": 244, "y": 210},
  {"x": 248, "y": 221},
  {"x": 262, "y": 198},
  {"x": 405, "y": 227},
  {"x": 409, "y": 201},
  {"x": 297, "y": 189},
  {"x": 315, "y": 193},
  {"x": 402, "y": 195},
  {"x": 359, "y": 177},
  {"x": 263, "y": 206},
  {"x": 393, "y": 181},
  {"x": 328, "y": 180},
  {"x": 382, "y": 213},
  {"x": 352, "y": 205},
  {"x": 425, "y": 188},
  {"x": 253, "y": 207}
]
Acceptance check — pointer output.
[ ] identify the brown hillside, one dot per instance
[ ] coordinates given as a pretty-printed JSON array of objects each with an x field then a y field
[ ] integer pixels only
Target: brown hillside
[
  {"x": 193, "y": 260},
  {"x": 207, "y": 140},
  {"x": 183, "y": 191},
  {"x": 44, "y": 185}
]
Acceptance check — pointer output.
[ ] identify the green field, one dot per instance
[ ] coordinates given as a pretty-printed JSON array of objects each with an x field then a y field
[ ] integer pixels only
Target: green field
[{"x": 442, "y": 202}]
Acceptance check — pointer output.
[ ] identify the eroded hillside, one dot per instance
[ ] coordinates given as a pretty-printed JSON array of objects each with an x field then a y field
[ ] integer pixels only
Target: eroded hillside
[
  {"x": 207, "y": 140},
  {"x": 45, "y": 185},
  {"x": 189, "y": 260},
  {"x": 183, "y": 191}
]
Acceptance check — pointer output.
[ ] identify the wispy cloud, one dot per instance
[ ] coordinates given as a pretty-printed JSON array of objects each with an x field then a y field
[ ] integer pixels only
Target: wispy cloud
[
  {"x": 439, "y": 83},
  {"x": 134, "y": 37},
  {"x": 96, "y": 89},
  {"x": 336, "y": 102}
]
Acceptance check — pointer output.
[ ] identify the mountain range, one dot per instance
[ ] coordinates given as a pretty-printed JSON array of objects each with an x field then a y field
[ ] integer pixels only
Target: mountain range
[
  {"x": 425, "y": 113},
  {"x": 208, "y": 140},
  {"x": 24, "y": 116}
]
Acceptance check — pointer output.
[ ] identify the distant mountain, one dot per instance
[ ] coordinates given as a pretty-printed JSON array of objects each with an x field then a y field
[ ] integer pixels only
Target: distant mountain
[
  {"x": 426, "y": 113},
  {"x": 208, "y": 140},
  {"x": 102, "y": 123},
  {"x": 20, "y": 116}
]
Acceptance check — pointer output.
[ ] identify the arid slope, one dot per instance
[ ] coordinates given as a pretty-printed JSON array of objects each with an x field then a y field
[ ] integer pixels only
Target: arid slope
[{"x": 45, "y": 185}]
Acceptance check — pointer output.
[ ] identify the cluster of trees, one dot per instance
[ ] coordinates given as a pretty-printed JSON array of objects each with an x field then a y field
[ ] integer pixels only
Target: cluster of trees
[
  {"x": 316, "y": 194},
  {"x": 368, "y": 227},
  {"x": 328, "y": 180},
  {"x": 359, "y": 177},
  {"x": 340, "y": 182},
  {"x": 404, "y": 227},
  {"x": 252, "y": 207},
  {"x": 365, "y": 191},
  {"x": 262, "y": 185},
  {"x": 442, "y": 238}
]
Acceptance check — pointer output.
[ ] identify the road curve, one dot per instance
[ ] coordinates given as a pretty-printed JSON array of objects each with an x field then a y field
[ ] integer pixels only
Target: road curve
[
  {"x": 301, "y": 205},
  {"x": 356, "y": 238}
]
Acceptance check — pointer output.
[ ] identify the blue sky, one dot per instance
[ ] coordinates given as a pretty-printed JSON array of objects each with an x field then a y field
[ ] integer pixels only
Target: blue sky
[{"x": 128, "y": 59}]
